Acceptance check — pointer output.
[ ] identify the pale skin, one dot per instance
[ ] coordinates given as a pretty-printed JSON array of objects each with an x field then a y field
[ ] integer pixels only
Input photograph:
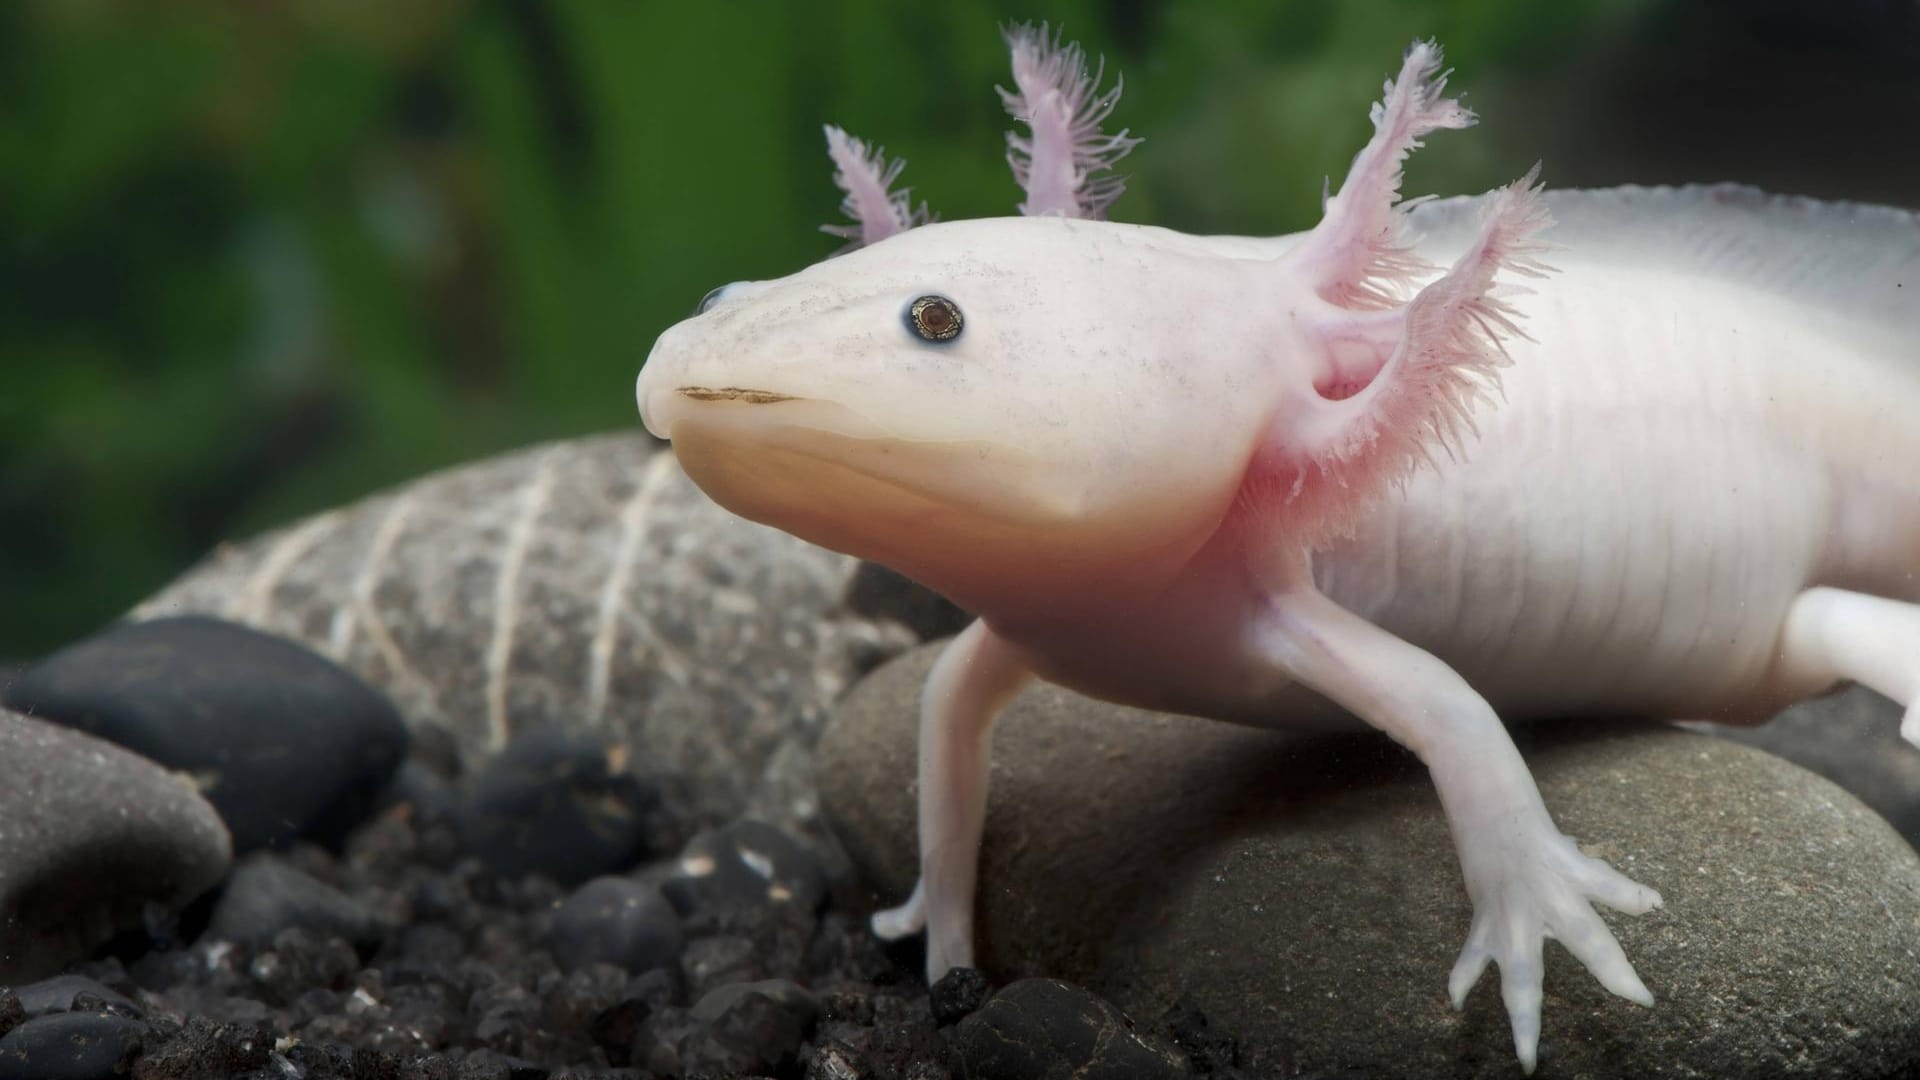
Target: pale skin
[{"x": 1197, "y": 474}]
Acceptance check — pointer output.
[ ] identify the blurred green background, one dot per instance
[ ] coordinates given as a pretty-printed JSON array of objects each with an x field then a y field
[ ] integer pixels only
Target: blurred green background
[{"x": 260, "y": 259}]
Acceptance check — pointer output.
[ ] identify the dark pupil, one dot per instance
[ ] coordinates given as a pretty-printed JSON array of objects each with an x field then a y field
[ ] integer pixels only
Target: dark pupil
[{"x": 936, "y": 317}]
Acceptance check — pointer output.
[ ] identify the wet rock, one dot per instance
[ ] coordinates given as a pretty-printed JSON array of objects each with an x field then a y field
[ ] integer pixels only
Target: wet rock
[
  {"x": 283, "y": 742},
  {"x": 615, "y": 921},
  {"x": 1209, "y": 1050},
  {"x": 202, "y": 1048},
  {"x": 1304, "y": 891},
  {"x": 586, "y": 585},
  {"x": 1853, "y": 739},
  {"x": 747, "y": 1029},
  {"x": 956, "y": 994},
  {"x": 744, "y": 865},
  {"x": 879, "y": 593},
  {"x": 95, "y": 841},
  {"x": 72, "y": 993},
  {"x": 558, "y": 804},
  {"x": 1045, "y": 1029},
  {"x": 791, "y": 996},
  {"x": 266, "y": 895},
  {"x": 70, "y": 1046}
]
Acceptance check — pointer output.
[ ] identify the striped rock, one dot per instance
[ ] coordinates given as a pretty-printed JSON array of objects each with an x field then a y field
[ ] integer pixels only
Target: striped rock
[{"x": 587, "y": 584}]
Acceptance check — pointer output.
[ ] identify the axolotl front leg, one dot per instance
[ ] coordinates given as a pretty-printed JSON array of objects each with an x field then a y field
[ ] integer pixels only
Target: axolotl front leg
[{"x": 1527, "y": 880}]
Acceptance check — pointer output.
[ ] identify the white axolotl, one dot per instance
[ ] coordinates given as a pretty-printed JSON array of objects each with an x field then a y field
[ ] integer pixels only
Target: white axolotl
[{"x": 1196, "y": 474}]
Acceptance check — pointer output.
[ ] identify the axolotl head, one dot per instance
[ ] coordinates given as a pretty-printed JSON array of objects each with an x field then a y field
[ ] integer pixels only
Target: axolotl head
[{"x": 986, "y": 405}]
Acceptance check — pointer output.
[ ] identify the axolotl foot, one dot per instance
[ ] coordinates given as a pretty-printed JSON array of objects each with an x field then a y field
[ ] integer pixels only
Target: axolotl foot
[{"x": 1528, "y": 883}]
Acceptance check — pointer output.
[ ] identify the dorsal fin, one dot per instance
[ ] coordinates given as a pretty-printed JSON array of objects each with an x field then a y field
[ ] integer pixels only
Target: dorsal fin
[{"x": 1853, "y": 259}]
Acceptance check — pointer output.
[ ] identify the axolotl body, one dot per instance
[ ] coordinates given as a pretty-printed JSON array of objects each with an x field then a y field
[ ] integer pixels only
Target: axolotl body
[{"x": 1203, "y": 474}]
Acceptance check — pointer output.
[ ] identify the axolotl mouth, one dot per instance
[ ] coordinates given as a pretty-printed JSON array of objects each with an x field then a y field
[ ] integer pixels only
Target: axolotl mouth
[
  {"x": 734, "y": 393},
  {"x": 835, "y": 475}
]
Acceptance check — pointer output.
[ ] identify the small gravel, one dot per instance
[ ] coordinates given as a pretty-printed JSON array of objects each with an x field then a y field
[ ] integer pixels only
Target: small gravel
[{"x": 406, "y": 954}]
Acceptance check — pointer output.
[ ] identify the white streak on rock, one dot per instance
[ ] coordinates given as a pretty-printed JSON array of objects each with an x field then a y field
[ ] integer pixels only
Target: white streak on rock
[
  {"x": 633, "y": 530},
  {"x": 505, "y": 595},
  {"x": 252, "y": 604}
]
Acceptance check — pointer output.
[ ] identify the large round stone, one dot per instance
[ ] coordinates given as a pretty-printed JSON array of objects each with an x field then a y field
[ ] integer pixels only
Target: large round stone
[
  {"x": 94, "y": 840},
  {"x": 1303, "y": 889}
]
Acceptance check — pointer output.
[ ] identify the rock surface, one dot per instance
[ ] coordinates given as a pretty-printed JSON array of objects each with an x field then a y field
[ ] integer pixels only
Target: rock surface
[
  {"x": 560, "y": 803},
  {"x": 1853, "y": 739},
  {"x": 584, "y": 584},
  {"x": 1044, "y": 1029},
  {"x": 618, "y": 921},
  {"x": 267, "y": 895},
  {"x": 91, "y": 836},
  {"x": 1304, "y": 892},
  {"x": 284, "y": 743}
]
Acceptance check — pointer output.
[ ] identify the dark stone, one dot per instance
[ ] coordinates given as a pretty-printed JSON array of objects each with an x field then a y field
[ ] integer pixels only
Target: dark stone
[
  {"x": 429, "y": 797},
  {"x": 12, "y": 1013},
  {"x": 876, "y": 592},
  {"x": 97, "y": 842},
  {"x": 1045, "y": 1029},
  {"x": 789, "y": 995},
  {"x": 202, "y": 1048},
  {"x": 73, "y": 993},
  {"x": 1208, "y": 1050},
  {"x": 956, "y": 994},
  {"x": 560, "y": 804},
  {"x": 321, "y": 1060},
  {"x": 750, "y": 1029},
  {"x": 70, "y": 1046},
  {"x": 283, "y": 742},
  {"x": 616, "y": 921},
  {"x": 267, "y": 895},
  {"x": 744, "y": 865}
]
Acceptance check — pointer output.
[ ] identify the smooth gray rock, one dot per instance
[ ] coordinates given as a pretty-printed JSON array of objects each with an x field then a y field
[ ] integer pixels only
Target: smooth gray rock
[
  {"x": 1853, "y": 739},
  {"x": 586, "y": 584},
  {"x": 91, "y": 837},
  {"x": 1303, "y": 889}
]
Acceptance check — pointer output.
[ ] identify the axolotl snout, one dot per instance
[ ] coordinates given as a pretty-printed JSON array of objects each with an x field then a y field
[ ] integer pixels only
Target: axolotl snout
[{"x": 1202, "y": 474}]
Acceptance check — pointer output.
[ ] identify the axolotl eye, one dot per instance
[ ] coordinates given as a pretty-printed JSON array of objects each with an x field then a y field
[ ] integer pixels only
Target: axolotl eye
[
  {"x": 934, "y": 318},
  {"x": 714, "y": 296}
]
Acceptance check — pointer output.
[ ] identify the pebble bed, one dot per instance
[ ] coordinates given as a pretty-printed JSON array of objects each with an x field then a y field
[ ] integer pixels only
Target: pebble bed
[{"x": 405, "y": 955}]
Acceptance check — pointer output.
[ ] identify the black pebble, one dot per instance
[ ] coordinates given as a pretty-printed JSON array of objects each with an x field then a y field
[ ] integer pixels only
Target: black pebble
[
  {"x": 1044, "y": 1029},
  {"x": 267, "y": 895},
  {"x": 956, "y": 994},
  {"x": 70, "y": 1046},
  {"x": 285, "y": 743},
  {"x": 72, "y": 993},
  {"x": 616, "y": 921},
  {"x": 558, "y": 804},
  {"x": 751, "y": 1029},
  {"x": 745, "y": 865}
]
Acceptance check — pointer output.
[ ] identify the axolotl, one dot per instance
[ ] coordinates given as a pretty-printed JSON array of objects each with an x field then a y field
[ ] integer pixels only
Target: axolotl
[{"x": 1198, "y": 474}]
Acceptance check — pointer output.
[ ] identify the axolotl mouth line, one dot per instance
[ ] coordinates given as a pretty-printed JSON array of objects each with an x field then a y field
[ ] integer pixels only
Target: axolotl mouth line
[{"x": 734, "y": 393}]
